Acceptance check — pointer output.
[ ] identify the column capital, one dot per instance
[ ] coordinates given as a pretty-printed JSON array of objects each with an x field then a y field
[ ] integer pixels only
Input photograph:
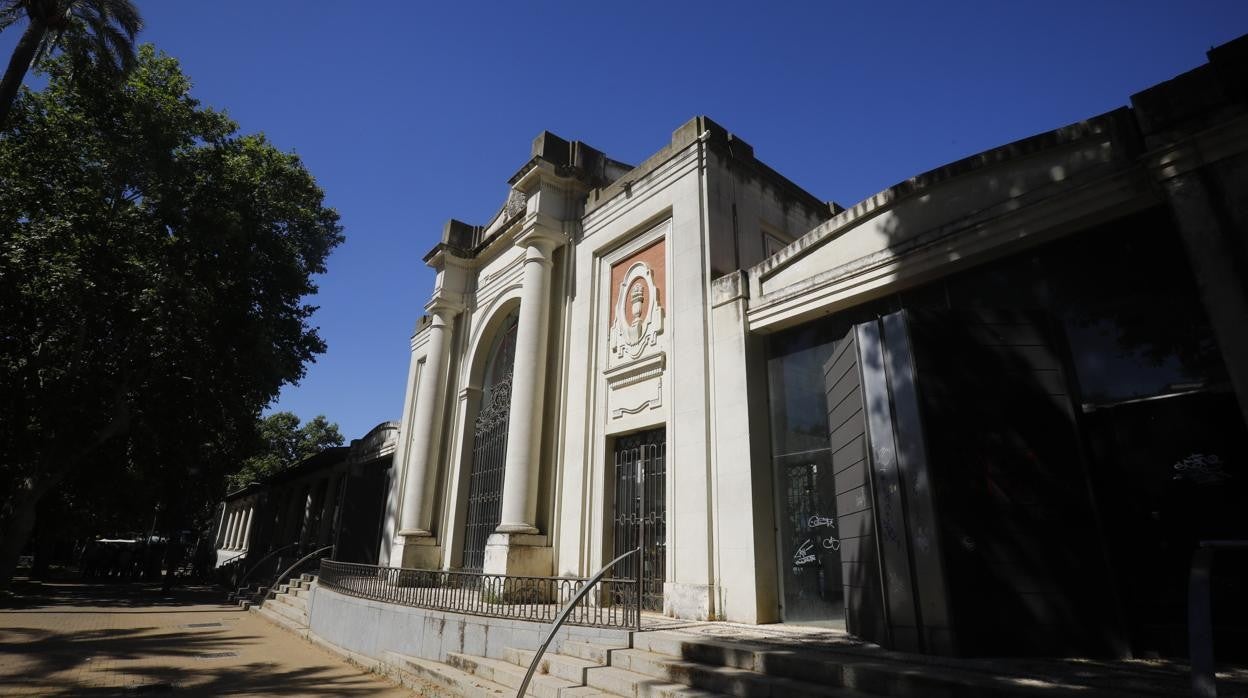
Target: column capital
[
  {"x": 444, "y": 306},
  {"x": 541, "y": 232}
]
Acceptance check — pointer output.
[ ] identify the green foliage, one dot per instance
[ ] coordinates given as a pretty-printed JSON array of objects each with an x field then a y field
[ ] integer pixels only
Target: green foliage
[
  {"x": 96, "y": 36},
  {"x": 153, "y": 264},
  {"x": 283, "y": 443}
]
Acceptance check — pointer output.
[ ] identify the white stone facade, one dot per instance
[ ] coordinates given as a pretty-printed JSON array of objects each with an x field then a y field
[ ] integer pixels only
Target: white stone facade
[{"x": 644, "y": 298}]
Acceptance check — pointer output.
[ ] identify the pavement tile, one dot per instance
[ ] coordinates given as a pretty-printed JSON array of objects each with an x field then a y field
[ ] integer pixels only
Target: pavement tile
[{"x": 76, "y": 639}]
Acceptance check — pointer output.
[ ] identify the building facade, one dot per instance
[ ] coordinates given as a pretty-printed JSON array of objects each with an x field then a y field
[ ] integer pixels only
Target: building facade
[
  {"x": 333, "y": 498},
  {"x": 994, "y": 407}
]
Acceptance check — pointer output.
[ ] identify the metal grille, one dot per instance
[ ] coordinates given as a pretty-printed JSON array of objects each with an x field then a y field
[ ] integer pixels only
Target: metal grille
[
  {"x": 538, "y": 599},
  {"x": 641, "y": 510},
  {"x": 485, "y": 484},
  {"x": 489, "y": 447}
]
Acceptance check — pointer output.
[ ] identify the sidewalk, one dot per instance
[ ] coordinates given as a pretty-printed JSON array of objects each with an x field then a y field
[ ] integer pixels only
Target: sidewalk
[{"x": 75, "y": 639}]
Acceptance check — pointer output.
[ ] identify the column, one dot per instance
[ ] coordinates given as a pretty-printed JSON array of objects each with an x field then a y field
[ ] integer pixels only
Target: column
[
  {"x": 228, "y": 543},
  {"x": 524, "y": 426},
  {"x": 236, "y": 539},
  {"x": 219, "y": 536},
  {"x": 246, "y": 539},
  {"x": 418, "y": 487}
]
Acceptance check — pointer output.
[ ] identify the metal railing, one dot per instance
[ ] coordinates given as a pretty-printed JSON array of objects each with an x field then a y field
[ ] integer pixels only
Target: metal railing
[
  {"x": 539, "y": 599},
  {"x": 1200, "y": 615},
  {"x": 567, "y": 611},
  {"x": 262, "y": 561},
  {"x": 295, "y": 568}
]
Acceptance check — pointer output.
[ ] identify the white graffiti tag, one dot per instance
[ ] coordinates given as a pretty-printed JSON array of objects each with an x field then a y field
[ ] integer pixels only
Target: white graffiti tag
[
  {"x": 803, "y": 556},
  {"x": 816, "y": 521}
]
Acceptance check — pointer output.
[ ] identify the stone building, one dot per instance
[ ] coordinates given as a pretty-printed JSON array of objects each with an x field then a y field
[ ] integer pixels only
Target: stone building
[
  {"x": 332, "y": 498},
  {"x": 994, "y": 406}
]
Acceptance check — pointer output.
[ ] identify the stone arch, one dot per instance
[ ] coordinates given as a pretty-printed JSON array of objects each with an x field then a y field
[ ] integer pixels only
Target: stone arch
[{"x": 483, "y": 435}]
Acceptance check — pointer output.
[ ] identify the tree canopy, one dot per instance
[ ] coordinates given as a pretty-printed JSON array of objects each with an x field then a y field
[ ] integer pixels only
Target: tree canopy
[
  {"x": 153, "y": 268},
  {"x": 284, "y": 442},
  {"x": 98, "y": 32}
]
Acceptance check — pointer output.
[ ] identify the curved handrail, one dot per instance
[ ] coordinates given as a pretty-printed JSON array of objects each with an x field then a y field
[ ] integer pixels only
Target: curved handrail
[
  {"x": 232, "y": 560},
  {"x": 262, "y": 561},
  {"x": 567, "y": 611},
  {"x": 281, "y": 575},
  {"x": 1200, "y": 615}
]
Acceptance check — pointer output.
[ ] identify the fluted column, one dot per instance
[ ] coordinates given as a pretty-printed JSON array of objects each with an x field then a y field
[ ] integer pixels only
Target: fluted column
[
  {"x": 246, "y": 537},
  {"x": 418, "y": 488},
  {"x": 519, "y": 511},
  {"x": 218, "y": 539},
  {"x": 233, "y": 526}
]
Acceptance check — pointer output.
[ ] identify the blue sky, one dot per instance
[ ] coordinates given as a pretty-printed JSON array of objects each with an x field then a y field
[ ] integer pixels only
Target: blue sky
[{"x": 410, "y": 113}]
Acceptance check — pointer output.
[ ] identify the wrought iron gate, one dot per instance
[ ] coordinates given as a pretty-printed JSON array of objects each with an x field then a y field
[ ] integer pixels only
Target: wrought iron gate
[
  {"x": 485, "y": 483},
  {"x": 641, "y": 510}
]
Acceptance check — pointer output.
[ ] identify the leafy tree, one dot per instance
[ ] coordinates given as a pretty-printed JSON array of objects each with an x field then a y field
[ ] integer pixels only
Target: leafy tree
[
  {"x": 100, "y": 32},
  {"x": 153, "y": 266},
  {"x": 283, "y": 442}
]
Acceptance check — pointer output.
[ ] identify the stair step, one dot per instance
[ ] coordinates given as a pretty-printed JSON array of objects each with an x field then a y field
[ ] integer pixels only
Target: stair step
[
  {"x": 422, "y": 674},
  {"x": 287, "y": 611},
  {"x": 558, "y": 665},
  {"x": 277, "y": 619},
  {"x": 721, "y": 679},
  {"x": 840, "y": 670},
  {"x": 295, "y": 601},
  {"x": 620, "y": 682},
  {"x": 595, "y": 652},
  {"x": 510, "y": 675}
]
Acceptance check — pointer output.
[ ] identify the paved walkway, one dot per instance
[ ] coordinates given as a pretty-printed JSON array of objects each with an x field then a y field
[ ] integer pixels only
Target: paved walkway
[{"x": 72, "y": 639}]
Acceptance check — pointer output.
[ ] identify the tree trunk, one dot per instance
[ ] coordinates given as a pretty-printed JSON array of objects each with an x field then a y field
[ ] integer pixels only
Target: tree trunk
[
  {"x": 17, "y": 530},
  {"x": 19, "y": 63}
]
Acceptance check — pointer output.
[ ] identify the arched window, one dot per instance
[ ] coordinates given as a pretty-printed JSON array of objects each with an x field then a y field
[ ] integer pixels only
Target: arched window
[{"x": 489, "y": 447}]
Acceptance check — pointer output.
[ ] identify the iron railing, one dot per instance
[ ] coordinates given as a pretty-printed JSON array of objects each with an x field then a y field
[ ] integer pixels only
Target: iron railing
[
  {"x": 1200, "y": 615},
  {"x": 297, "y": 567},
  {"x": 613, "y": 604},
  {"x": 567, "y": 611}
]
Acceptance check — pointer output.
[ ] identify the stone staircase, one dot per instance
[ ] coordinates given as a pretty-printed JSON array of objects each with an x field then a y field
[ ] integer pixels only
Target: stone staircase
[
  {"x": 287, "y": 604},
  {"x": 672, "y": 664},
  {"x": 652, "y": 668}
]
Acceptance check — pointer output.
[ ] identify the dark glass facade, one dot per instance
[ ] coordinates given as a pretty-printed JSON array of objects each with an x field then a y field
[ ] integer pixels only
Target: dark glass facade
[{"x": 1108, "y": 443}]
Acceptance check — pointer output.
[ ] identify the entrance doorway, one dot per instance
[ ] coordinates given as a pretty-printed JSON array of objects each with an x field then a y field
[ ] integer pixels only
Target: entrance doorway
[
  {"x": 489, "y": 448},
  {"x": 641, "y": 511}
]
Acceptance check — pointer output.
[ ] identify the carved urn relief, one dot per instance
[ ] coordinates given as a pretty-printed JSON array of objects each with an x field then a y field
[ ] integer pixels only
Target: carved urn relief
[{"x": 636, "y": 360}]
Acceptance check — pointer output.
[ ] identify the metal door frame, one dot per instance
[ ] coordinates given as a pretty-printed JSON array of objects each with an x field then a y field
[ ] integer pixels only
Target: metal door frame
[{"x": 645, "y": 525}]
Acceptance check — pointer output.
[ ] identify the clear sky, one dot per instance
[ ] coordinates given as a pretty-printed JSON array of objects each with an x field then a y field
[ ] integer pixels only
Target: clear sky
[{"x": 410, "y": 113}]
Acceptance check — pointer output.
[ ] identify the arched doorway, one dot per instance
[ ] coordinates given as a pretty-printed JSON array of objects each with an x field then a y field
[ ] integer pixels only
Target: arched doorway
[{"x": 489, "y": 446}]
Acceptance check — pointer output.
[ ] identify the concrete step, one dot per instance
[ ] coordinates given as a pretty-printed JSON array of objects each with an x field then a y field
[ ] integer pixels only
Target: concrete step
[
  {"x": 620, "y": 682},
  {"x": 428, "y": 677},
  {"x": 595, "y": 652},
  {"x": 599, "y": 677},
  {"x": 722, "y": 679},
  {"x": 302, "y": 592},
  {"x": 282, "y": 609},
  {"x": 849, "y": 670},
  {"x": 308, "y": 577},
  {"x": 282, "y": 621},
  {"x": 558, "y": 665},
  {"x": 298, "y": 602},
  {"x": 509, "y": 675}
]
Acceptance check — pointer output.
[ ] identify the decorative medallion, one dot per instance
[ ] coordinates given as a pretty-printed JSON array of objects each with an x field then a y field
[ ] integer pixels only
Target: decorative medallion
[
  {"x": 638, "y": 313},
  {"x": 515, "y": 204}
]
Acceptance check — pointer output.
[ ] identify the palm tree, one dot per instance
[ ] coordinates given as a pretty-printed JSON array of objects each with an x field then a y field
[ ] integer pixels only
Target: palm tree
[{"x": 102, "y": 31}]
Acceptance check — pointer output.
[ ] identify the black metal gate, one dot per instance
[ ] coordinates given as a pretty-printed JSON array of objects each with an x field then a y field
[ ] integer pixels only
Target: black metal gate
[
  {"x": 485, "y": 483},
  {"x": 489, "y": 447},
  {"x": 641, "y": 510}
]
